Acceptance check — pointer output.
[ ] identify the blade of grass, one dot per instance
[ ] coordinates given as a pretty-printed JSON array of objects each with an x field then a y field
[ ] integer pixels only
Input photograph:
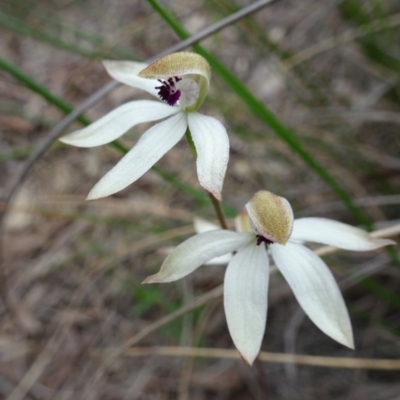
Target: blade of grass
[
  {"x": 39, "y": 89},
  {"x": 9, "y": 22},
  {"x": 378, "y": 47},
  {"x": 50, "y": 24}
]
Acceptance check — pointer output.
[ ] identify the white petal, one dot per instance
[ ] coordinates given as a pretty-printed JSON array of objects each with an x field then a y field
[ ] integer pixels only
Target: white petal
[
  {"x": 201, "y": 225},
  {"x": 117, "y": 122},
  {"x": 222, "y": 260},
  {"x": 212, "y": 146},
  {"x": 196, "y": 251},
  {"x": 245, "y": 299},
  {"x": 315, "y": 289},
  {"x": 148, "y": 150},
  {"x": 337, "y": 234},
  {"x": 126, "y": 72}
]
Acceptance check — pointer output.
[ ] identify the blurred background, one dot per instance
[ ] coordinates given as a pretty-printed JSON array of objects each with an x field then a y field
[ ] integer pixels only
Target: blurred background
[{"x": 71, "y": 271}]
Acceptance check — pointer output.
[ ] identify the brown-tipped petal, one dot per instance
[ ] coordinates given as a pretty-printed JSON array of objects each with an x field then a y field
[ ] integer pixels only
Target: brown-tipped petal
[
  {"x": 212, "y": 147},
  {"x": 271, "y": 215}
]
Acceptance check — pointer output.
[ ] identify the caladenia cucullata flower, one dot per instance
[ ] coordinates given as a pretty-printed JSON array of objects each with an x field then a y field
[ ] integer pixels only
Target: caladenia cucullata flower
[
  {"x": 266, "y": 228},
  {"x": 181, "y": 81}
]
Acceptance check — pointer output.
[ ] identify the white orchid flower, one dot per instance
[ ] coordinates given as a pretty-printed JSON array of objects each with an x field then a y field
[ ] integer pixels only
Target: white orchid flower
[
  {"x": 268, "y": 228},
  {"x": 181, "y": 81}
]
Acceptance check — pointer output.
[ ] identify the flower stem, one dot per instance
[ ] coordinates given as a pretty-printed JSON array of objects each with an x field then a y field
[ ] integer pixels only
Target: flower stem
[
  {"x": 215, "y": 203},
  {"x": 218, "y": 210}
]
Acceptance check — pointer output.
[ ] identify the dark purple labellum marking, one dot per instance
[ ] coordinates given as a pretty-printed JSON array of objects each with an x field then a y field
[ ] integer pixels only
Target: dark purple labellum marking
[
  {"x": 168, "y": 91},
  {"x": 262, "y": 239}
]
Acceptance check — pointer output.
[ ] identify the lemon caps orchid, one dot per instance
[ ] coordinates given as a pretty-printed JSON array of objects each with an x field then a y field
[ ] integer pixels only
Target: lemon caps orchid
[{"x": 181, "y": 81}]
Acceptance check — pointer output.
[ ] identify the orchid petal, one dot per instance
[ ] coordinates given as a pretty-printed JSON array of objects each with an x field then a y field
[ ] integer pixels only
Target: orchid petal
[
  {"x": 117, "y": 122},
  {"x": 196, "y": 251},
  {"x": 126, "y": 72},
  {"x": 315, "y": 289},
  {"x": 245, "y": 299},
  {"x": 337, "y": 234},
  {"x": 148, "y": 150},
  {"x": 201, "y": 225},
  {"x": 212, "y": 146},
  {"x": 221, "y": 260}
]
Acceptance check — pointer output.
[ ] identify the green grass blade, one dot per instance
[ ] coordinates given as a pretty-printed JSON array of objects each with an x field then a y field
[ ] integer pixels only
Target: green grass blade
[
  {"x": 380, "y": 47},
  {"x": 9, "y": 22},
  {"x": 20, "y": 26},
  {"x": 39, "y": 89}
]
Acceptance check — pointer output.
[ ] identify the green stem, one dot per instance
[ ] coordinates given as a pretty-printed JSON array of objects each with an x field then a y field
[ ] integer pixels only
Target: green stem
[{"x": 218, "y": 211}]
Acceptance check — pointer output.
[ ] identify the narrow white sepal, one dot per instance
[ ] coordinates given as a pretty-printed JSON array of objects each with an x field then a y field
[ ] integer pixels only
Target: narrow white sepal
[
  {"x": 117, "y": 122},
  {"x": 212, "y": 146},
  {"x": 246, "y": 299},
  {"x": 126, "y": 73},
  {"x": 196, "y": 251},
  {"x": 148, "y": 150},
  {"x": 315, "y": 289},
  {"x": 201, "y": 226},
  {"x": 337, "y": 234},
  {"x": 222, "y": 260}
]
